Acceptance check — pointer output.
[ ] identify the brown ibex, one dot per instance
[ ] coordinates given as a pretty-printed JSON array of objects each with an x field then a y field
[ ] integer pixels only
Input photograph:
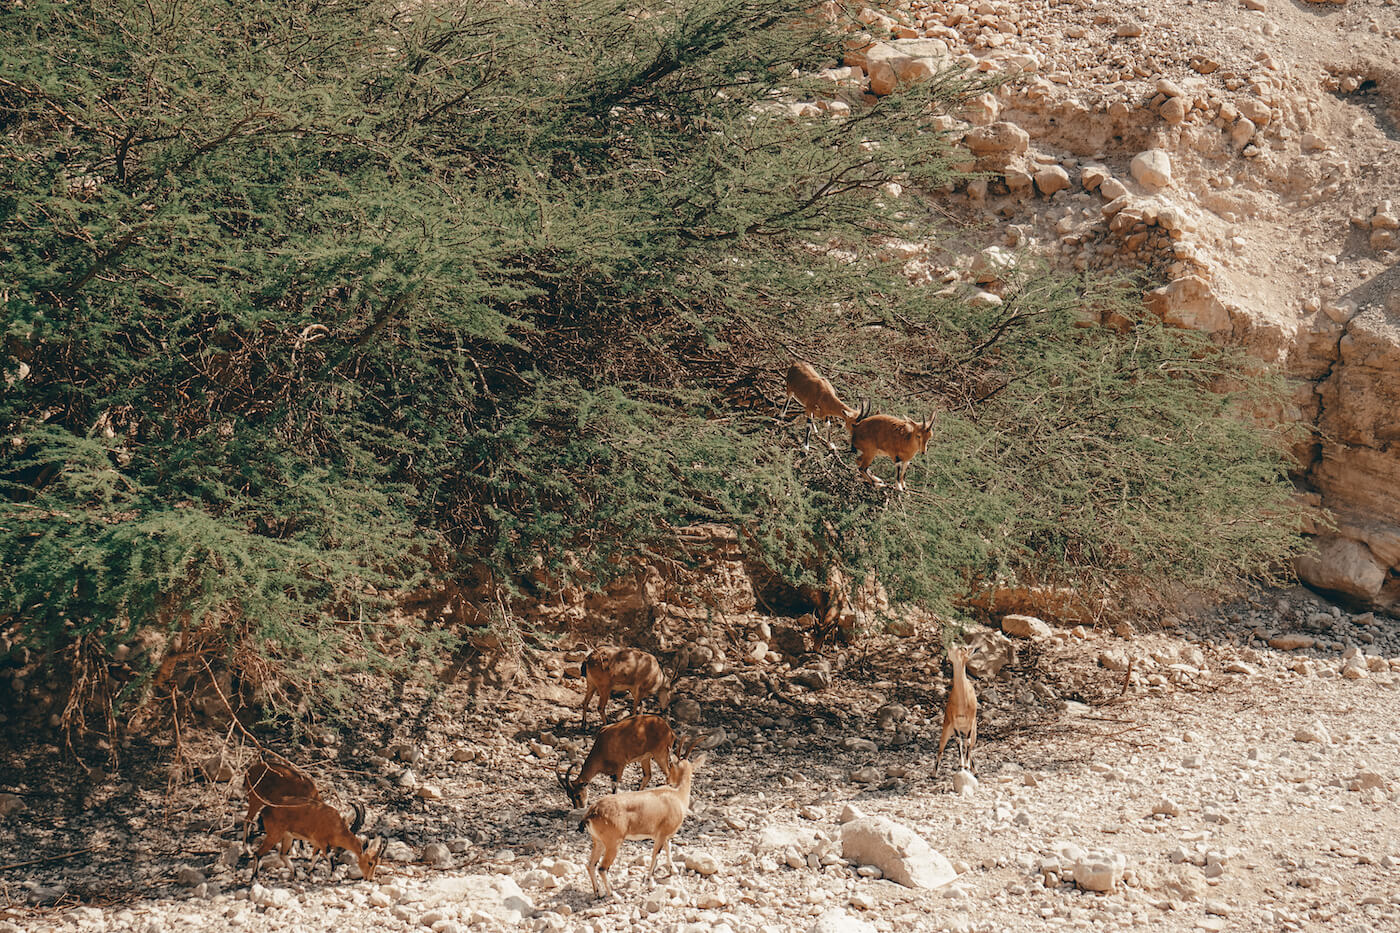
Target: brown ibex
[
  {"x": 897, "y": 438},
  {"x": 270, "y": 781},
  {"x": 645, "y": 738},
  {"x": 653, "y": 814},
  {"x": 625, "y": 670},
  {"x": 819, "y": 400},
  {"x": 320, "y": 826},
  {"x": 960, "y": 715}
]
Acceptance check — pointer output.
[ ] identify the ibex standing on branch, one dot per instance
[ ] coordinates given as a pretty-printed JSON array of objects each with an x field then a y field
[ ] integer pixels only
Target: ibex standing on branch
[
  {"x": 629, "y": 670},
  {"x": 897, "y": 438},
  {"x": 960, "y": 715},
  {"x": 819, "y": 400}
]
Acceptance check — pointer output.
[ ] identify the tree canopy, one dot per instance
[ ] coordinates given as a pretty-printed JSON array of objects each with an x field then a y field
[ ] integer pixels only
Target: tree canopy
[{"x": 308, "y": 303}]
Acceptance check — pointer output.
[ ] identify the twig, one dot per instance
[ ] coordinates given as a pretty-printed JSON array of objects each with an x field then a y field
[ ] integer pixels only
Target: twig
[{"x": 48, "y": 858}]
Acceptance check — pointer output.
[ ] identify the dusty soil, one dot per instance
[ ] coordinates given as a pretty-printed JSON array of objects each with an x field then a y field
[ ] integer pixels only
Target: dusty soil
[{"x": 1255, "y": 828}]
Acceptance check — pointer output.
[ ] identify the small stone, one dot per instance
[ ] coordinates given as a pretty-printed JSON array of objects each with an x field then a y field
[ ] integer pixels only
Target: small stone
[
  {"x": 190, "y": 877},
  {"x": 867, "y": 775},
  {"x": 1152, "y": 169},
  {"x": 855, "y": 744},
  {"x": 437, "y": 855},
  {"x": 964, "y": 783},
  {"x": 1167, "y": 807},
  {"x": 1051, "y": 179},
  {"x": 428, "y": 792},
  {"x": 702, "y": 863},
  {"x": 1313, "y": 732},
  {"x": 1023, "y": 626},
  {"x": 1100, "y": 870},
  {"x": 685, "y": 710},
  {"x": 837, "y": 920},
  {"x": 1111, "y": 189}
]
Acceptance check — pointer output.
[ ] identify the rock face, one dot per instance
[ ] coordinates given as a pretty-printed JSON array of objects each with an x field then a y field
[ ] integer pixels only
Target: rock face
[
  {"x": 1358, "y": 471},
  {"x": 899, "y": 852}
]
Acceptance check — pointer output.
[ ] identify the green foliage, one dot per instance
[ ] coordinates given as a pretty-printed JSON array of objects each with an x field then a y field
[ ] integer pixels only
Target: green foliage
[{"x": 311, "y": 300}]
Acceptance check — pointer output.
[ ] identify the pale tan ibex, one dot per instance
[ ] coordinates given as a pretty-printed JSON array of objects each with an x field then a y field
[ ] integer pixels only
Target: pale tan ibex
[
  {"x": 645, "y": 738},
  {"x": 628, "y": 670},
  {"x": 819, "y": 400},
  {"x": 897, "y": 438},
  {"x": 654, "y": 814},
  {"x": 960, "y": 715}
]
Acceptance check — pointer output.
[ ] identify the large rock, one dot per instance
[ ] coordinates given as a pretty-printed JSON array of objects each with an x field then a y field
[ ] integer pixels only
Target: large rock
[
  {"x": 1358, "y": 472},
  {"x": 1345, "y": 566},
  {"x": 1152, "y": 169},
  {"x": 837, "y": 920},
  {"x": 1099, "y": 870},
  {"x": 497, "y": 896},
  {"x": 997, "y": 139},
  {"x": 901, "y": 854},
  {"x": 902, "y": 62},
  {"x": 1023, "y": 626},
  {"x": 1190, "y": 303}
]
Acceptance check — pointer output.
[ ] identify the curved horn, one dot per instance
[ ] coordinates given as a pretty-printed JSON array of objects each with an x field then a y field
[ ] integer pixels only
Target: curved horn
[
  {"x": 864, "y": 413},
  {"x": 359, "y": 817},
  {"x": 688, "y": 744}
]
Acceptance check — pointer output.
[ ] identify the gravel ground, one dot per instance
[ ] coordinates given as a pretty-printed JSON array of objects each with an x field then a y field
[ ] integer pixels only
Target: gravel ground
[{"x": 1237, "y": 786}]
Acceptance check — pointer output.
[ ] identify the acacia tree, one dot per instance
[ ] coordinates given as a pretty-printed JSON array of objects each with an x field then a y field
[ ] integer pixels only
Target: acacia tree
[{"x": 309, "y": 302}]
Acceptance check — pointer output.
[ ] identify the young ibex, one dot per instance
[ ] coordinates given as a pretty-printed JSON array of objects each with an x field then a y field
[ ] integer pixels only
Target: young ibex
[
  {"x": 897, "y": 438},
  {"x": 270, "y": 781},
  {"x": 644, "y": 738},
  {"x": 819, "y": 400},
  {"x": 626, "y": 670},
  {"x": 653, "y": 814},
  {"x": 960, "y": 715},
  {"x": 320, "y": 826}
]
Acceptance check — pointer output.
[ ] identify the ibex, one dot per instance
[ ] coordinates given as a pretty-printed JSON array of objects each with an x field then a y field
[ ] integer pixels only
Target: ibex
[
  {"x": 270, "y": 781},
  {"x": 960, "y": 715},
  {"x": 897, "y": 438},
  {"x": 819, "y": 400},
  {"x": 653, "y": 814},
  {"x": 320, "y": 826},
  {"x": 644, "y": 738},
  {"x": 626, "y": 670}
]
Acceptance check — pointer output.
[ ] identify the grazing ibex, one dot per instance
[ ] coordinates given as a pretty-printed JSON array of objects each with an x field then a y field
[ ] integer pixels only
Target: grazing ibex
[
  {"x": 626, "y": 670},
  {"x": 897, "y": 438},
  {"x": 320, "y": 826},
  {"x": 653, "y": 814},
  {"x": 271, "y": 781},
  {"x": 960, "y": 715},
  {"x": 819, "y": 400},
  {"x": 644, "y": 738}
]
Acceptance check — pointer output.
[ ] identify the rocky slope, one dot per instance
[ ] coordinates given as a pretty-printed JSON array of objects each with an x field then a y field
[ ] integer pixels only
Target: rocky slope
[{"x": 1249, "y": 152}]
